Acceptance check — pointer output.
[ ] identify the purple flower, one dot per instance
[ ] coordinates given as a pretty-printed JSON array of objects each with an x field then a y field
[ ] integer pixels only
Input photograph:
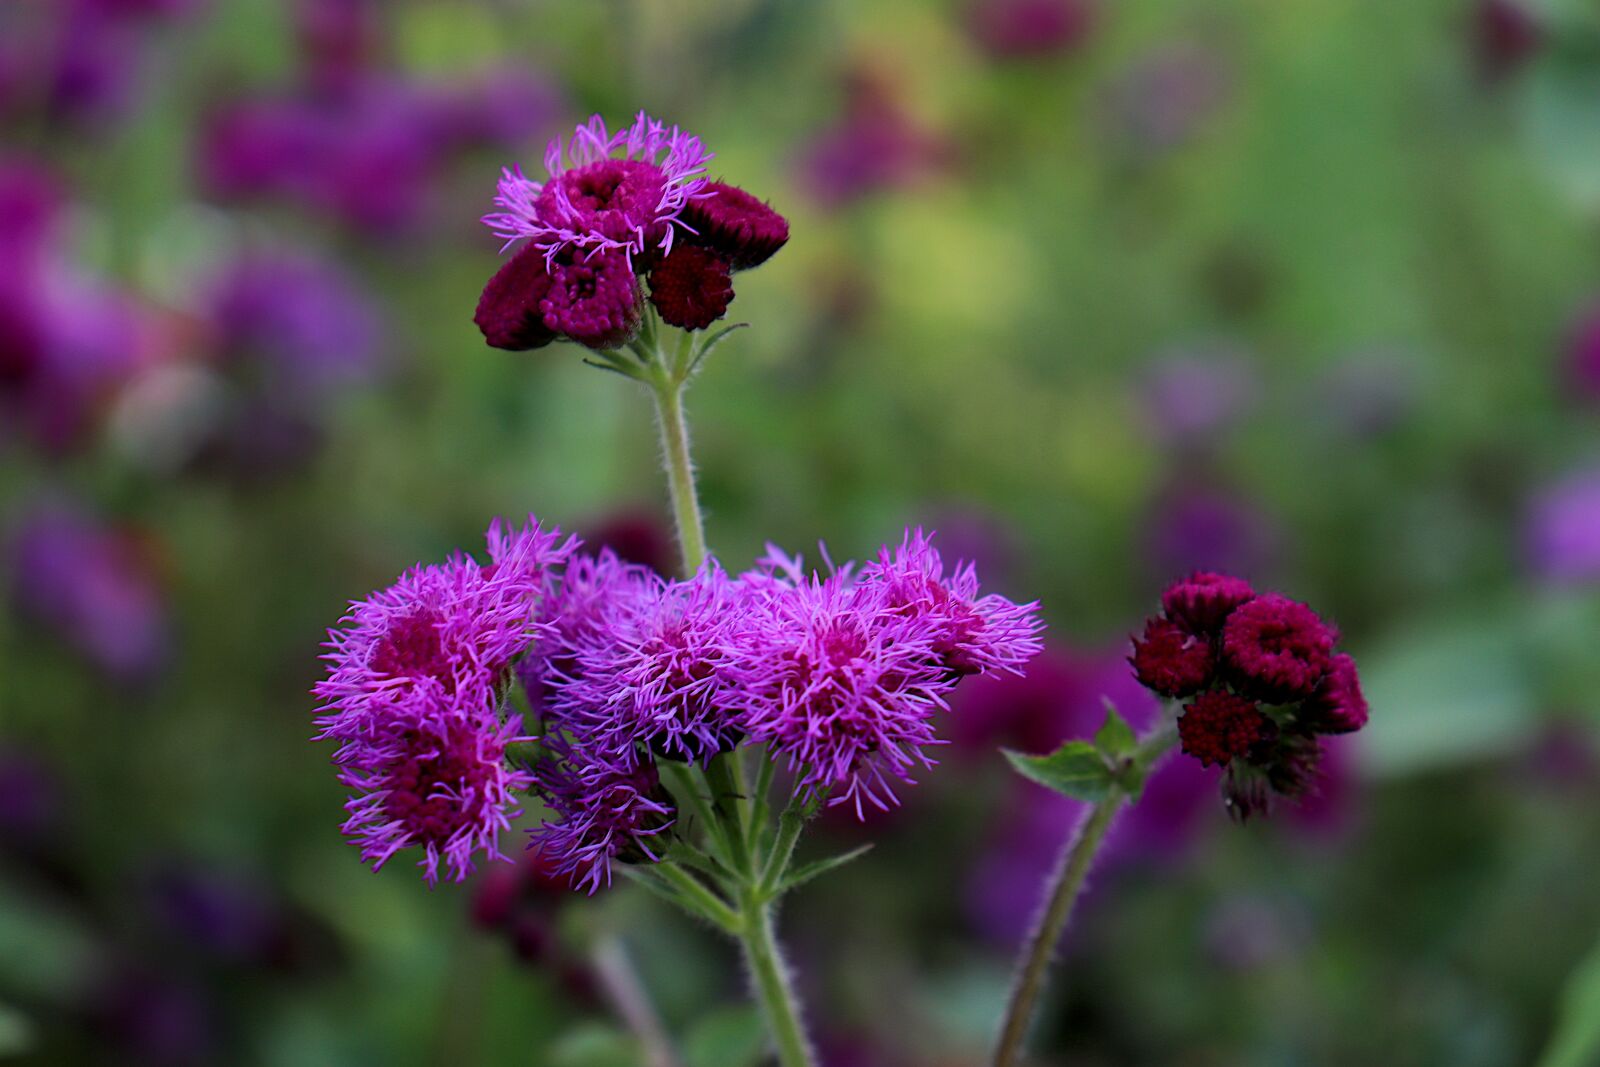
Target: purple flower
[
  {"x": 841, "y": 682},
  {"x": 1192, "y": 395},
  {"x": 1028, "y": 29},
  {"x": 657, "y": 672},
  {"x": 1561, "y": 533},
  {"x": 453, "y": 628},
  {"x": 593, "y": 297},
  {"x": 300, "y": 323},
  {"x": 1277, "y": 649},
  {"x": 605, "y": 811},
  {"x": 1166, "y": 96},
  {"x": 610, "y": 191},
  {"x": 573, "y": 617},
  {"x": 90, "y": 585},
  {"x": 874, "y": 146},
  {"x": 974, "y": 634},
  {"x": 429, "y": 769},
  {"x": 1506, "y": 34},
  {"x": 1583, "y": 354}
]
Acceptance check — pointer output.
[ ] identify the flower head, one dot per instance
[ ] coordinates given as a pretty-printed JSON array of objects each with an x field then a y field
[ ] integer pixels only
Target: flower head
[
  {"x": 1201, "y": 602},
  {"x": 605, "y": 811},
  {"x": 573, "y": 617},
  {"x": 657, "y": 674},
  {"x": 455, "y": 627},
  {"x": 1277, "y": 648},
  {"x": 593, "y": 298},
  {"x": 842, "y": 682},
  {"x": 973, "y": 634},
  {"x": 430, "y": 771},
  {"x": 1170, "y": 660},
  {"x": 617, "y": 191},
  {"x": 510, "y": 312},
  {"x": 739, "y": 227},
  {"x": 1337, "y": 706},
  {"x": 1219, "y": 727},
  {"x": 691, "y": 287}
]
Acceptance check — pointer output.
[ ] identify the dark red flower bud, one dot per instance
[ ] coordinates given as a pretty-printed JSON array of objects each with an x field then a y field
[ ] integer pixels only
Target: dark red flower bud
[
  {"x": 509, "y": 312},
  {"x": 1277, "y": 649},
  {"x": 1219, "y": 727},
  {"x": 742, "y": 229},
  {"x": 593, "y": 297},
  {"x": 1337, "y": 707},
  {"x": 1170, "y": 660},
  {"x": 691, "y": 288},
  {"x": 1203, "y": 601}
]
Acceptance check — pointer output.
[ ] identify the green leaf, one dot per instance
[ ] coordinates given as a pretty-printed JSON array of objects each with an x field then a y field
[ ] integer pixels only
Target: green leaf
[
  {"x": 732, "y": 1037},
  {"x": 712, "y": 342},
  {"x": 807, "y": 871},
  {"x": 1076, "y": 769},
  {"x": 16, "y": 1032},
  {"x": 594, "y": 1045},
  {"x": 1115, "y": 739},
  {"x": 1576, "y": 1042}
]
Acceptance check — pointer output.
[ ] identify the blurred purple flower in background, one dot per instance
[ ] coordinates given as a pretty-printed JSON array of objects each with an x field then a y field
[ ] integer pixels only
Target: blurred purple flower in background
[
  {"x": 67, "y": 340},
  {"x": 32, "y": 799},
  {"x": 1192, "y": 528},
  {"x": 1505, "y": 35},
  {"x": 1561, "y": 529},
  {"x": 1582, "y": 362},
  {"x": 371, "y": 151},
  {"x": 1029, "y": 29},
  {"x": 220, "y": 913},
  {"x": 1367, "y": 393},
  {"x": 1193, "y": 393},
  {"x": 874, "y": 146},
  {"x": 93, "y": 588},
  {"x": 1164, "y": 98},
  {"x": 295, "y": 324}
]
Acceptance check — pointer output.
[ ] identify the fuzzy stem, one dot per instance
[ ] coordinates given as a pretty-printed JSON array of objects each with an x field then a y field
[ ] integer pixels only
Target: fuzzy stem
[
  {"x": 668, "y": 390},
  {"x": 1066, "y": 883},
  {"x": 773, "y": 990}
]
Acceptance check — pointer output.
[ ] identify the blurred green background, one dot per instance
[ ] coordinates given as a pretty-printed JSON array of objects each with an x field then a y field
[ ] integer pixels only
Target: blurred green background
[{"x": 1102, "y": 291}]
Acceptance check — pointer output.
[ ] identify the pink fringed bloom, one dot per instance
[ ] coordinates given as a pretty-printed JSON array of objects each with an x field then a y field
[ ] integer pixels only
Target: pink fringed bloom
[
  {"x": 842, "y": 684},
  {"x": 457, "y": 626},
  {"x": 657, "y": 674},
  {"x": 606, "y": 811},
  {"x": 620, "y": 191},
  {"x": 430, "y": 772},
  {"x": 973, "y": 634}
]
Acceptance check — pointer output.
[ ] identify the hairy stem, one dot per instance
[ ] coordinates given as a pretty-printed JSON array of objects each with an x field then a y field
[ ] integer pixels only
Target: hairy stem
[
  {"x": 668, "y": 390},
  {"x": 1066, "y": 883},
  {"x": 770, "y": 976}
]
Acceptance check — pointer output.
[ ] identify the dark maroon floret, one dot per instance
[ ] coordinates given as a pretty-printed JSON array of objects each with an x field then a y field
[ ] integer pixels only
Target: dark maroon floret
[
  {"x": 1337, "y": 707},
  {"x": 736, "y": 225},
  {"x": 593, "y": 297},
  {"x": 1219, "y": 727},
  {"x": 509, "y": 313},
  {"x": 691, "y": 288},
  {"x": 1202, "y": 601},
  {"x": 1170, "y": 660},
  {"x": 1277, "y": 649}
]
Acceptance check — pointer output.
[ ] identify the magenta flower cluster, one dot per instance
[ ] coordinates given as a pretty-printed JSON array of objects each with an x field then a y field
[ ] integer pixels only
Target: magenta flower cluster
[
  {"x": 1263, "y": 678},
  {"x": 621, "y": 214},
  {"x": 837, "y": 675}
]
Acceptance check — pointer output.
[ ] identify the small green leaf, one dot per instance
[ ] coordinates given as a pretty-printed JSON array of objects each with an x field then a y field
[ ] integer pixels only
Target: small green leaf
[
  {"x": 1115, "y": 739},
  {"x": 712, "y": 342},
  {"x": 595, "y": 1045},
  {"x": 732, "y": 1037},
  {"x": 807, "y": 871},
  {"x": 1576, "y": 1040},
  {"x": 1076, "y": 769}
]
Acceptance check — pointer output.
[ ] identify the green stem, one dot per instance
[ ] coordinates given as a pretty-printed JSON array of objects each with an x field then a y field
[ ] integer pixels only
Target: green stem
[
  {"x": 770, "y": 975},
  {"x": 668, "y": 390},
  {"x": 1072, "y": 870}
]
